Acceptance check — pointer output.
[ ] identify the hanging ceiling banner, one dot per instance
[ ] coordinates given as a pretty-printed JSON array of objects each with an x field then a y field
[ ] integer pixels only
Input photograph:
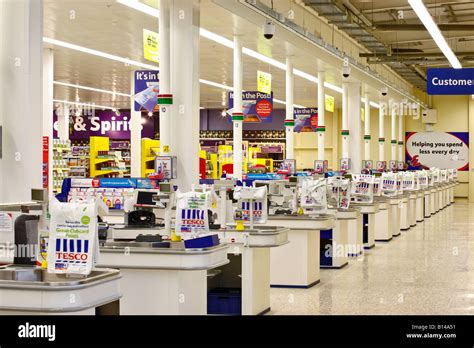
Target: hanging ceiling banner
[
  {"x": 150, "y": 46},
  {"x": 264, "y": 82},
  {"x": 257, "y": 107},
  {"x": 146, "y": 89},
  {"x": 329, "y": 103},
  {"x": 306, "y": 119}
]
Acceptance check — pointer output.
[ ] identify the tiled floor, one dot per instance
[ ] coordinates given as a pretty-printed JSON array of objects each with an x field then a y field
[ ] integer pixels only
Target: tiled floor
[{"x": 427, "y": 270}]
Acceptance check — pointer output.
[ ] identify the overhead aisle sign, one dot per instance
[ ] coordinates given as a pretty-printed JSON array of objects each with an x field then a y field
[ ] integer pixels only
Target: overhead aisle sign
[
  {"x": 306, "y": 119},
  {"x": 445, "y": 150},
  {"x": 150, "y": 45},
  {"x": 146, "y": 89},
  {"x": 329, "y": 103},
  {"x": 264, "y": 82},
  {"x": 446, "y": 81}
]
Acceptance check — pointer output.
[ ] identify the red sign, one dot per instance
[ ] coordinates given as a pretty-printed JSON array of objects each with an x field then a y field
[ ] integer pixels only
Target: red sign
[
  {"x": 264, "y": 108},
  {"x": 45, "y": 161}
]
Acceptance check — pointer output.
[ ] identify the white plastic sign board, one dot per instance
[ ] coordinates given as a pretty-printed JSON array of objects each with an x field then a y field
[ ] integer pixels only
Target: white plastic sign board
[
  {"x": 255, "y": 198},
  {"x": 191, "y": 214}
]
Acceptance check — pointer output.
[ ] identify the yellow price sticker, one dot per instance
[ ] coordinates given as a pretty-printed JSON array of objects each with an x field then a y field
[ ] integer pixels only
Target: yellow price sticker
[
  {"x": 264, "y": 82},
  {"x": 166, "y": 148}
]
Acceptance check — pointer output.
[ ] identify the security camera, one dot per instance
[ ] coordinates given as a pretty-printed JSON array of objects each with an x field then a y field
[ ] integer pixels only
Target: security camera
[
  {"x": 268, "y": 30},
  {"x": 346, "y": 71},
  {"x": 384, "y": 91}
]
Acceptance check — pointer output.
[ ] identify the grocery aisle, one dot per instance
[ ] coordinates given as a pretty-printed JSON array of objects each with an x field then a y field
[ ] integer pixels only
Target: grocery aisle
[{"x": 427, "y": 270}]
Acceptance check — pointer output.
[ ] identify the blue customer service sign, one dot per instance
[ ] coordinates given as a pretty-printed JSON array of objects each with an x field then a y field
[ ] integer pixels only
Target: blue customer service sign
[{"x": 450, "y": 81}]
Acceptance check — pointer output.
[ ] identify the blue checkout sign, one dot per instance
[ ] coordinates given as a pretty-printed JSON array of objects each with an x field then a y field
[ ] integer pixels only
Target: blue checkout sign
[{"x": 447, "y": 81}]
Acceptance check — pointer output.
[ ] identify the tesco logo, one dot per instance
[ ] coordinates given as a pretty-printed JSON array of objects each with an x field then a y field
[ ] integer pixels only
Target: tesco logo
[{"x": 71, "y": 256}]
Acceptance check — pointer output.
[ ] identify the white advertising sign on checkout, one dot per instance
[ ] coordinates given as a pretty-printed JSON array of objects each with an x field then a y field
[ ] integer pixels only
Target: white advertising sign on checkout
[
  {"x": 437, "y": 149},
  {"x": 73, "y": 237}
]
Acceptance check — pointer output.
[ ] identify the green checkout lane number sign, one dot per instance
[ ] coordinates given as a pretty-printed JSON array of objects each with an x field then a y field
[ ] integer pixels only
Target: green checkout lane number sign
[
  {"x": 150, "y": 45},
  {"x": 264, "y": 82}
]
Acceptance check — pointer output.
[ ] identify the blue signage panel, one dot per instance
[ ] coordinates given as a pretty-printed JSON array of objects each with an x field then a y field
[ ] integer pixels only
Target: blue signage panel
[
  {"x": 447, "y": 81},
  {"x": 146, "y": 89}
]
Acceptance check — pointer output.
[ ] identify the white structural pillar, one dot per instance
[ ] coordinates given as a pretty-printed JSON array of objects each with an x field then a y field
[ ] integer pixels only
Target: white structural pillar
[
  {"x": 184, "y": 121},
  {"x": 48, "y": 109},
  {"x": 355, "y": 126},
  {"x": 345, "y": 121},
  {"x": 63, "y": 113},
  {"x": 321, "y": 128},
  {"x": 237, "y": 115},
  {"x": 21, "y": 64},
  {"x": 382, "y": 110},
  {"x": 393, "y": 140},
  {"x": 135, "y": 134},
  {"x": 165, "y": 98},
  {"x": 400, "y": 136},
  {"x": 290, "y": 116},
  {"x": 367, "y": 137}
]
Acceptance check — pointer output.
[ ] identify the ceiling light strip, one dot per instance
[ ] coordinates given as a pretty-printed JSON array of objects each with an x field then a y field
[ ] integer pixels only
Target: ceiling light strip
[
  {"x": 83, "y": 104},
  {"x": 139, "y": 6},
  {"x": 98, "y": 53},
  {"x": 425, "y": 17},
  {"x": 90, "y": 89}
]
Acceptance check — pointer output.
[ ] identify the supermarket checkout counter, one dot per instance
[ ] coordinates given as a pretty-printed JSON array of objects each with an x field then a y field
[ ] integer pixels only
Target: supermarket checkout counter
[
  {"x": 383, "y": 232},
  {"x": 394, "y": 214},
  {"x": 347, "y": 235},
  {"x": 162, "y": 281},
  {"x": 403, "y": 207},
  {"x": 369, "y": 212},
  {"x": 28, "y": 290},
  {"x": 248, "y": 273},
  {"x": 297, "y": 263}
]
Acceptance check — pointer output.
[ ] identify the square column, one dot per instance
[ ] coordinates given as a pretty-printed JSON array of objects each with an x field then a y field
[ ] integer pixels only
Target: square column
[
  {"x": 355, "y": 126},
  {"x": 21, "y": 64},
  {"x": 184, "y": 120}
]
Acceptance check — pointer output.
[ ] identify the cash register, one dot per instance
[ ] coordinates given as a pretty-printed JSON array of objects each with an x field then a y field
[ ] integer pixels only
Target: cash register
[{"x": 140, "y": 220}]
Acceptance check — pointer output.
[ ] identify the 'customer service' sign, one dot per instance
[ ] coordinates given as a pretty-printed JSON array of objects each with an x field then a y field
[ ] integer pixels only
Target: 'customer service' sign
[{"x": 450, "y": 81}]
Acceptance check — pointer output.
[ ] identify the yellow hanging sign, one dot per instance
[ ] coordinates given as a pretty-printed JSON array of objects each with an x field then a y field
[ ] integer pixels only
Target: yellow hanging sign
[
  {"x": 264, "y": 82},
  {"x": 150, "y": 45},
  {"x": 362, "y": 114},
  {"x": 329, "y": 103}
]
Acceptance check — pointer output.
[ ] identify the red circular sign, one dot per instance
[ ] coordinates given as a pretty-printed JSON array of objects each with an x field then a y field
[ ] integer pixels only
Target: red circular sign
[{"x": 264, "y": 108}]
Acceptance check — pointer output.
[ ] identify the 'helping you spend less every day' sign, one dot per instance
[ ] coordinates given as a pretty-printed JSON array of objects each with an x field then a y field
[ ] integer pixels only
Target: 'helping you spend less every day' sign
[{"x": 437, "y": 149}]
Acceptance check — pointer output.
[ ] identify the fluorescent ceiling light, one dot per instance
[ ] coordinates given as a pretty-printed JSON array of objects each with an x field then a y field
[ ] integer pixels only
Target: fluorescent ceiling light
[
  {"x": 425, "y": 17},
  {"x": 98, "y": 53},
  {"x": 95, "y": 106},
  {"x": 216, "y": 38},
  {"x": 91, "y": 89},
  {"x": 139, "y": 6},
  {"x": 215, "y": 84},
  {"x": 278, "y": 101}
]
